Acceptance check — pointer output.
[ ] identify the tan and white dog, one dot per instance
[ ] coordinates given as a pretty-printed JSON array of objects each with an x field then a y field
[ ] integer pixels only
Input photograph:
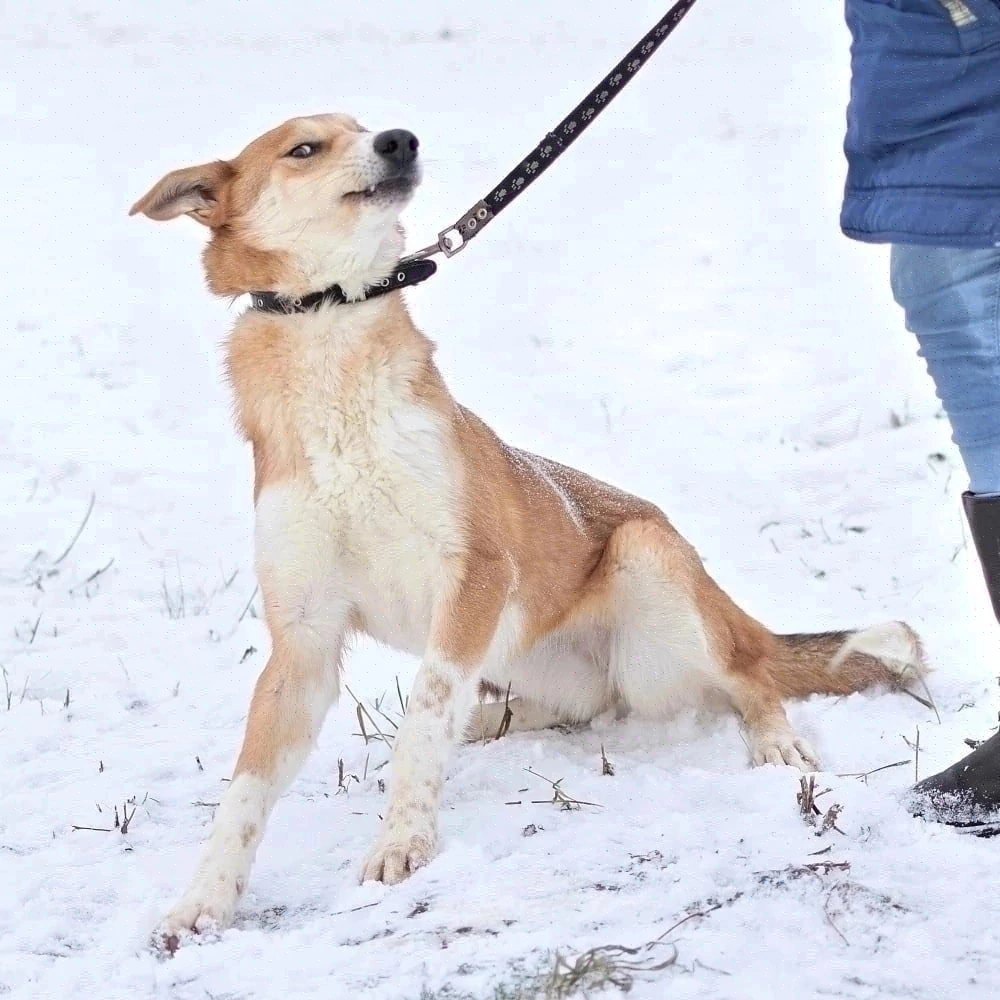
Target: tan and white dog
[{"x": 385, "y": 507}]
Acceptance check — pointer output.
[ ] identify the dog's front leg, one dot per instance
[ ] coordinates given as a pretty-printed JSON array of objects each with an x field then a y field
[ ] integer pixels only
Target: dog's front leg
[
  {"x": 291, "y": 699},
  {"x": 442, "y": 697}
]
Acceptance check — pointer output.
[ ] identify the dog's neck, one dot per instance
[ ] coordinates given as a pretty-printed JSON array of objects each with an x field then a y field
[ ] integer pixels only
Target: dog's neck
[{"x": 235, "y": 266}]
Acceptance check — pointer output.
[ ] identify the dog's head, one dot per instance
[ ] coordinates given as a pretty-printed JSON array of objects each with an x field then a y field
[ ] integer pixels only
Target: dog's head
[{"x": 311, "y": 203}]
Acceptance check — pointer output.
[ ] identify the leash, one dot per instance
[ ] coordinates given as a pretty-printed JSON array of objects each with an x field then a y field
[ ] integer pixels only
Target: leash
[{"x": 417, "y": 267}]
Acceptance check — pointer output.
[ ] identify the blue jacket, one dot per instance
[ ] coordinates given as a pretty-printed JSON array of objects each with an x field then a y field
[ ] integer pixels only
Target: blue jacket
[{"x": 923, "y": 125}]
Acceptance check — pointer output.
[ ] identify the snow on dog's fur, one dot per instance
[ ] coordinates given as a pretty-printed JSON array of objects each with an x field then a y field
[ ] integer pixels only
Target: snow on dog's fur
[{"x": 384, "y": 506}]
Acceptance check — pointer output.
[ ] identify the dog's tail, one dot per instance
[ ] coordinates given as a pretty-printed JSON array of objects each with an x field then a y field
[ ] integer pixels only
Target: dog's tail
[{"x": 888, "y": 655}]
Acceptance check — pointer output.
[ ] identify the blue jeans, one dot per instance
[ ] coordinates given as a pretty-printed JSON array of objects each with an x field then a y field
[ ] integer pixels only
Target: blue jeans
[{"x": 951, "y": 297}]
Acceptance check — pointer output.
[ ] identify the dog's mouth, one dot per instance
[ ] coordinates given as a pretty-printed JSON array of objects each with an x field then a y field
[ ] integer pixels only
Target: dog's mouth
[{"x": 390, "y": 189}]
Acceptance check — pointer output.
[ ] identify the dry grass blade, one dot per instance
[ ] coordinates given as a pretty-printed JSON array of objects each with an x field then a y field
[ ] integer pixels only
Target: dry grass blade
[
  {"x": 607, "y": 768},
  {"x": 388, "y": 718},
  {"x": 362, "y": 710},
  {"x": 927, "y": 702},
  {"x": 508, "y": 715}
]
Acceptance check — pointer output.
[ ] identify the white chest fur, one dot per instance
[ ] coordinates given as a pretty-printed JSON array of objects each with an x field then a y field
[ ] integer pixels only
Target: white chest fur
[{"x": 371, "y": 525}]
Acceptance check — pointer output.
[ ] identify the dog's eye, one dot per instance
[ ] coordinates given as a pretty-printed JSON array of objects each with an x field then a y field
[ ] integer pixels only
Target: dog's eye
[{"x": 304, "y": 151}]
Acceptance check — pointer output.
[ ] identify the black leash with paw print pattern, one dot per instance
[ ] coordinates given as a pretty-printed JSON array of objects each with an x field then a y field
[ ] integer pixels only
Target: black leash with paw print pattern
[{"x": 456, "y": 237}]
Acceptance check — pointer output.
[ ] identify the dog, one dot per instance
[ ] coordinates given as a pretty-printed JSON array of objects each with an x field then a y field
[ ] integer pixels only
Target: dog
[{"x": 384, "y": 507}]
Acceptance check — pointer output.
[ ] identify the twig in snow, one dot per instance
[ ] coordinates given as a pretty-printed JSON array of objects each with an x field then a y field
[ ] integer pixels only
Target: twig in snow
[
  {"x": 34, "y": 630},
  {"x": 126, "y": 818},
  {"x": 806, "y": 798},
  {"x": 865, "y": 775},
  {"x": 559, "y": 796},
  {"x": 809, "y": 810},
  {"x": 93, "y": 576},
  {"x": 817, "y": 574},
  {"x": 355, "y": 909},
  {"x": 915, "y": 747},
  {"x": 343, "y": 779},
  {"x": 829, "y": 918},
  {"x": 248, "y": 604},
  {"x": 607, "y": 768},
  {"x": 692, "y": 916},
  {"x": 79, "y": 531},
  {"x": 829, "y": 821}
]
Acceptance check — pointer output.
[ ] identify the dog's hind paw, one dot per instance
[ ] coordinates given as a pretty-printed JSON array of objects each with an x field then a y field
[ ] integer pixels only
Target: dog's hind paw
[{"x": 785, "y": 749}]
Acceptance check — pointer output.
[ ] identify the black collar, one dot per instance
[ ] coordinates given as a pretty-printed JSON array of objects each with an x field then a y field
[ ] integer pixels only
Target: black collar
[{"x": 408, "y": 272}]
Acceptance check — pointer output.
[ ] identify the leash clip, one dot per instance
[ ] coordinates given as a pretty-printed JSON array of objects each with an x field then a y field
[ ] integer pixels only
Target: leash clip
[
  {"x": 455, "y": 238},
  {"x": 447, "y": 241}
]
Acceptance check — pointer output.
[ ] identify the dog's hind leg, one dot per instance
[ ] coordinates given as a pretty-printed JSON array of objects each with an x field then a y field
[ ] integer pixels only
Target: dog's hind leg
[
  {"x": 489, "y": 720},
  {"x": 291, "y": 698},
  {"x": 676, "y": 636}
]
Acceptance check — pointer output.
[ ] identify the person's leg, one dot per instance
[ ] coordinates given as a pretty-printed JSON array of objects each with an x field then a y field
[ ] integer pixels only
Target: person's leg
[{"x": 951, "y": 298}]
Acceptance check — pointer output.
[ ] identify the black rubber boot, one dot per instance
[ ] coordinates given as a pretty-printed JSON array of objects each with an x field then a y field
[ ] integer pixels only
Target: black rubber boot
[
  {"x": 984, "y": 521},
  {"x": 968, "y": 793}
]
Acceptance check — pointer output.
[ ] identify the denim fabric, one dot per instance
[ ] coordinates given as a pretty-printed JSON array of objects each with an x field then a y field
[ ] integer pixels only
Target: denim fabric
[
  {"x": 923, "y": 125},
  {"x": 951, "y": 297}
]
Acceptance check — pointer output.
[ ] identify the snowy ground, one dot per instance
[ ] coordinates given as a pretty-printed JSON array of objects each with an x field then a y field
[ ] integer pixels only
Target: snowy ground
[{"x": 672, "y": 308}]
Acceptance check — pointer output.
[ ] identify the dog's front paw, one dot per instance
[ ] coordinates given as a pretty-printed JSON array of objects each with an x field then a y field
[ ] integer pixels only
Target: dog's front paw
[
  {"x": 785, "y": 748},
  {"x": 202, "y": 913},
  {"x": 397, "y": 855}
]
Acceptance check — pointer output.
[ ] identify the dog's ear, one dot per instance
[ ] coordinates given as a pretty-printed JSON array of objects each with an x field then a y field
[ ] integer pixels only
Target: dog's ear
[{"x": 196, "y": 191}]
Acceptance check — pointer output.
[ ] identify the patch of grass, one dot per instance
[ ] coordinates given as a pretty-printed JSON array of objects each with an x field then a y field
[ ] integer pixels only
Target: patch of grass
[
  {"x": 557, "y": 977},
  {"x": 609, "y": 965}
]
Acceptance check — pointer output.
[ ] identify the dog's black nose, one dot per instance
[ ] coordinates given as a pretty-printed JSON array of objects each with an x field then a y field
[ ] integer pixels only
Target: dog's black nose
[{"x": 397, "y": 146}]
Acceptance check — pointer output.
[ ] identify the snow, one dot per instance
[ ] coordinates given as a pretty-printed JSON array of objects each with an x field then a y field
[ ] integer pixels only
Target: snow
[{"x": 672, "y": 308}]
